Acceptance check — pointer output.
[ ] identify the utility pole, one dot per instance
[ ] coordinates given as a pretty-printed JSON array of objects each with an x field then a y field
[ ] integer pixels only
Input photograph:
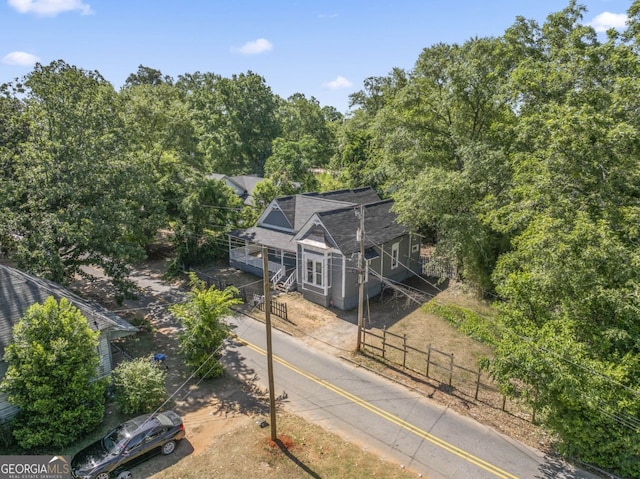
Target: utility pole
[
  {"x": 361, "y": 271},
  {"x": 267, "y": 315}
]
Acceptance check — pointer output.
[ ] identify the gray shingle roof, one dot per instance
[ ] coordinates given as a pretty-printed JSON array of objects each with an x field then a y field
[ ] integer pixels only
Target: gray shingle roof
[
  {"x": 336, "y": 209},
  {"x": 19, "y": 290},
  {"x": 380, "y": 226},
  {"x": 299, "y": 208},
  {"x": 268, "y": 237},
  {"x": 358, "y": 196}
]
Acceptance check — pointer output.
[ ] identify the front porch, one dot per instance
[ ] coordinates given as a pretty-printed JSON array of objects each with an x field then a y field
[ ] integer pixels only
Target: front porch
[{"x": 247, "y": 256}]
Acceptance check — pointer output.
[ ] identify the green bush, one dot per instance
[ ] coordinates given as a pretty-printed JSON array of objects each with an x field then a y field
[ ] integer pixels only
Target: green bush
[
  {"x": 139, "y": 386},
  {"x": 52, "y": 376}
]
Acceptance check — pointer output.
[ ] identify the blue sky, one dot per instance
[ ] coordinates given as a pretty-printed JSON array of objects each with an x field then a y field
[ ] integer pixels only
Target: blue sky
[{"x": 324, "y": 49}]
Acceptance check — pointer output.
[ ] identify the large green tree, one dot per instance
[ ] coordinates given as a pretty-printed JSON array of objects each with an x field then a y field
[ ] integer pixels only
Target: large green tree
[
  {"x": 235, "y": 120},
  {"x": 161, "y": 140},
  {"x": 72, "y": 196},
  {"x": 438, "y": 145},
  {"x": 53, "y": 376},
  {"x": 569, "y": 284},
  {"x": 206, "y": 215}
]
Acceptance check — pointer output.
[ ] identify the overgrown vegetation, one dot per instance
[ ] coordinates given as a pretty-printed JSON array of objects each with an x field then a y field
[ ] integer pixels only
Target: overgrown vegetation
[
  {"x": 467, "y": 321},
  {"x": 139, "y": 386}
]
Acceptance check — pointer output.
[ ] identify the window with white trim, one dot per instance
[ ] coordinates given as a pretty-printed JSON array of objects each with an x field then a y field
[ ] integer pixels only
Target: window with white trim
[
  {"x": 395, "y": 255},
  {"x": 314, "y": 265},
  {"x": 415, "y": 247}
]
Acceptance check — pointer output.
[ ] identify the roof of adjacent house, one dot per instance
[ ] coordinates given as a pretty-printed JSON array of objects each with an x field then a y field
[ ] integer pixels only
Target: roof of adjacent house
[
  {"x": 380, "y": 225},
  {"x": 248, "y": 182},
  {"x": 19, "y": 290},
  {"x": 242, "y": 184}
]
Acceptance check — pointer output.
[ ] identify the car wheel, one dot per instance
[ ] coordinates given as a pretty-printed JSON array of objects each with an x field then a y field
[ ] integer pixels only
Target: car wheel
[
  {"x": 168, "y": 447},
  {"x": 103, "y": 475}
]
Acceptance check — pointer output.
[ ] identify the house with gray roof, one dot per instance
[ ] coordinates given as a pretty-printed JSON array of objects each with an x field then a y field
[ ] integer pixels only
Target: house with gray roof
[
  {"x": 242, "y": 185},
  {"x": 313, "y": 245},
  {"x": 19, "y": 290}
]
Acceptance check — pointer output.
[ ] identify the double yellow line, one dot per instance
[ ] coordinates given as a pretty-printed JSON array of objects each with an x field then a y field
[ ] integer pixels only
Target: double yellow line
[{"x": 390, "y": 417}]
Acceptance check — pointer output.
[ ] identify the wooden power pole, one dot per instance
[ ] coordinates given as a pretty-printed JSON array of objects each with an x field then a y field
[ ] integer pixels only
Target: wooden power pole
[
  {"x": 267, "y": 315},
  {"x": 361, "y": 271}
]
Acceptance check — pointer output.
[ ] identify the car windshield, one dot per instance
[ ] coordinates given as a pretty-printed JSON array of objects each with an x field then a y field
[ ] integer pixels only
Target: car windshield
[{"x": 115, "y": 441}]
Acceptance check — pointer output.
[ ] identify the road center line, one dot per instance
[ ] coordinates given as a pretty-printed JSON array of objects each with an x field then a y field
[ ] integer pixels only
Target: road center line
[{"x": 389, "y": 417}]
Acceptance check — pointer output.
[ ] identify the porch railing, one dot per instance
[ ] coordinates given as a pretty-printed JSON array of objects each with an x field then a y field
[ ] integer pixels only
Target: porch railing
[
  {"x": 240, "y": 255},
  {"x": 277, "y": 276},
  {"x": 290, "y": 282}
]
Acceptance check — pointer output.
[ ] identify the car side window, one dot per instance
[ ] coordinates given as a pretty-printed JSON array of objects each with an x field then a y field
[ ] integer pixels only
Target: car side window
[
  {"x": 155, "y": 433},
  {"x": 134, "y": 443}
]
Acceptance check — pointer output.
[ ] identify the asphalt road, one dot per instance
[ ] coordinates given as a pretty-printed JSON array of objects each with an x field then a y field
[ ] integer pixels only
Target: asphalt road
[{"x": 396, "y": 423}]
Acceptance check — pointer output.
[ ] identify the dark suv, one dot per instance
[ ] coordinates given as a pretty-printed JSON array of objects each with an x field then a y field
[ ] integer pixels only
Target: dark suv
[{"x": 130, "y": 442}]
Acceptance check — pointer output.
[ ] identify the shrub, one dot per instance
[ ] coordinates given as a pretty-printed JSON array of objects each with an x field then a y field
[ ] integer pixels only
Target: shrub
[
  {"x": 53, "y": 376},
  {"x": 139, "y": 386}
]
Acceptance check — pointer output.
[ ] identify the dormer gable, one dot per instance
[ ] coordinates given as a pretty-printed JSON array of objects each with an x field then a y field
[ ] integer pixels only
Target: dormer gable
[
  {"x": 315, "y": 234},
  {"x": 273, "y": 217}
]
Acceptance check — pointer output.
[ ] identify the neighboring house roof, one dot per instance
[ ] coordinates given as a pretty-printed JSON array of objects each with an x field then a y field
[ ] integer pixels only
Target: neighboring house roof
[
  {"x": 243, "y": 185},
  {"x": 19, "y": 290}
]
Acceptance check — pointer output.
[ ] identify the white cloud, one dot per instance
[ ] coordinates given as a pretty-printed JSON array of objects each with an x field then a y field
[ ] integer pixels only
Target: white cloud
[
  {"x": 338, "y": 83},
  {"x": 50, "y": 7},
  {"x": 323, "y": 16},
  {"x": 255, "y": 47},
  {"x": 607, "y": 20},
  {"x": 20, "y": 58}
]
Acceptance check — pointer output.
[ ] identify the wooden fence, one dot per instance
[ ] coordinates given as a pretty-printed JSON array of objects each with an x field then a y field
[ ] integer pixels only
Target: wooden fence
[
  {"x": 438, "y": 365},
  {"x": 277, "y": 308}
]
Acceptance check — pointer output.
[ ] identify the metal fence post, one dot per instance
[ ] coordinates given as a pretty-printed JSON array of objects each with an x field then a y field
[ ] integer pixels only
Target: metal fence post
[
  {"x": 428, "y": 358},
  {"x": 450, "y": 369}
]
